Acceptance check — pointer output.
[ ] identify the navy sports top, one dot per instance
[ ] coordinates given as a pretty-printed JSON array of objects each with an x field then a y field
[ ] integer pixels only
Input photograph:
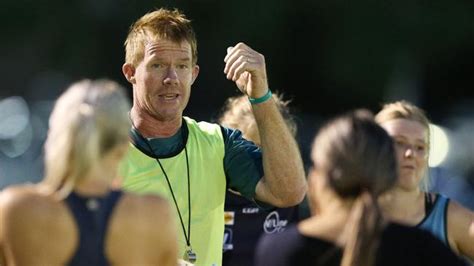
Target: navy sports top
[
  {"x": 435, "y": 220},
  {"x": 399, "y": 245},
  {"x": 91, "y": 216},
  {"x": 245, "y": 222}
]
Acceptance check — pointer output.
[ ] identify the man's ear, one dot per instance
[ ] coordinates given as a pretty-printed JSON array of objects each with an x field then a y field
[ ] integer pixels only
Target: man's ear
[
  {"x": 195, "y": 73},
  {"x": 128, "y": 71}
]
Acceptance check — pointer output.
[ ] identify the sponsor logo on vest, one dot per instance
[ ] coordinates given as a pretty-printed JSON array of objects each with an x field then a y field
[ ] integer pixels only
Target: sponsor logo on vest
[
  {"x": 250, "y": 210},
  {"x": 228, "y": 245},
  {"x": 273, "y": 224},
  {"x": 229, "y": 218}
]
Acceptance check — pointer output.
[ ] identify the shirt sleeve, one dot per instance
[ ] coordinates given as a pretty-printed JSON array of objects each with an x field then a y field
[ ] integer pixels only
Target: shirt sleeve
[{"x": 242, "y": 163}]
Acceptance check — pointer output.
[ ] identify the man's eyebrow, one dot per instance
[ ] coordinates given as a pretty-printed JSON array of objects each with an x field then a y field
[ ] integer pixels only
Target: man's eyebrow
[
  {"x": 157, "y": 57},
  {"x": 187, "y": 58}
]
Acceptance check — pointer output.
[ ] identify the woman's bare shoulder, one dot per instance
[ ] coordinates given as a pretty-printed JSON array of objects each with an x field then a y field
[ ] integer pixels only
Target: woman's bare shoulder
[{"x": 24, "y": 197}]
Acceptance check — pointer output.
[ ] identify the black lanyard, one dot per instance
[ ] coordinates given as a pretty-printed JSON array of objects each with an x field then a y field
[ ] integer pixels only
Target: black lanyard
[{"x": 189, "y": 255}]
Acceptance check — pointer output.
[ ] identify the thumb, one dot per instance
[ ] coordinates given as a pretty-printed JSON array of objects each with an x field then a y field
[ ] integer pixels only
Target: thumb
[{"x": 242, "y": 82}]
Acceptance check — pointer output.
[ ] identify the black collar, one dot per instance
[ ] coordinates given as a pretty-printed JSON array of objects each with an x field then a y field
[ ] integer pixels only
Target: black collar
[{"x": 140, "y": 142}]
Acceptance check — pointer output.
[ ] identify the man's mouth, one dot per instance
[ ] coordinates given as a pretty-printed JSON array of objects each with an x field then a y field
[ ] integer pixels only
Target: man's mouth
[{"x": 169, "y": 96}]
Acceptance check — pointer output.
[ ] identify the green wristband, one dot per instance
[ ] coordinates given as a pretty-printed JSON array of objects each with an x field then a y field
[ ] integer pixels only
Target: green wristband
[{"x": 262, "y": 99}]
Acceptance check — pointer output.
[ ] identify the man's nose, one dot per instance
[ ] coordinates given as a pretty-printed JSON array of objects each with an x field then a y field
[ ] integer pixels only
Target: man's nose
[{"x": 171, "y": 77}]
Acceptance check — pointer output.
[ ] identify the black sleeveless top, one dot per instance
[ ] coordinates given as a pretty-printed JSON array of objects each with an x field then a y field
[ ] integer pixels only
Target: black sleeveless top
[
  {"x": 91, "y": 216},
  {"x": 245, "y": 222},
  {"x": 399, "y": 245}
]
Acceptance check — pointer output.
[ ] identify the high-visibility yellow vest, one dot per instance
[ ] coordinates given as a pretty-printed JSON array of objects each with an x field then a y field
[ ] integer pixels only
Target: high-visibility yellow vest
[{"x": 205, "y": 147}]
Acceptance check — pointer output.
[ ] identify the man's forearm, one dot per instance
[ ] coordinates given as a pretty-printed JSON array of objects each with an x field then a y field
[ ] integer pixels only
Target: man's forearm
[{"x": 284, "y": 182}]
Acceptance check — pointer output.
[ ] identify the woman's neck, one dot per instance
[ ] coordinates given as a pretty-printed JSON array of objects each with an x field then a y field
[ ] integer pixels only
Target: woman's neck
[
  {"x": 407, "y": 207},
  {"x": 98, "y": 181},
  {"x": 93, "y": 187},
  {"x": 329, "y": 222}
]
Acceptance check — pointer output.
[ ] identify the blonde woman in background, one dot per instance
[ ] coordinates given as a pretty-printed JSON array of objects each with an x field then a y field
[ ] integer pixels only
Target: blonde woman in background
[
  {"x": 245, "y": 220},
  {"x": 353, "y": 163},
  {"x": 74, "y": 217},
  {"x": 407, "y": 203}
]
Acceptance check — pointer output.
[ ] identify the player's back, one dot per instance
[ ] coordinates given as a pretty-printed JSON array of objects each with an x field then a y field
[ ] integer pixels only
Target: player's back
[
  {"x": 35, "y": 229},
  {"x": 38, "y": 229},
  {"x": 142, "y": 232}
]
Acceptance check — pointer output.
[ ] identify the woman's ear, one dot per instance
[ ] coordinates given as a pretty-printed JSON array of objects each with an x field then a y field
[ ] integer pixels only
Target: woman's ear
[
  {"x": 118, "y": 152},
  {"x": 313, "y": 190},
  {"x": 121, "y": 149},
  {"x": 319, "y": 191}
]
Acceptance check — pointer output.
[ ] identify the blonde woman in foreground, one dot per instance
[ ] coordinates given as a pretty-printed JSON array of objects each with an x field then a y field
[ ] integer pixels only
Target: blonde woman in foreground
[
  {"x": 353, "y": 163},
  {"x": 74, "y": 217}
]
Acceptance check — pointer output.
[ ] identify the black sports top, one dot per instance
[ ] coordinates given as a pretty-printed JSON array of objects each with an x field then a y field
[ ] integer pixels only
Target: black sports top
[
  {"x": 399, "y": 245},
  {"x": 91, "y": 216}
]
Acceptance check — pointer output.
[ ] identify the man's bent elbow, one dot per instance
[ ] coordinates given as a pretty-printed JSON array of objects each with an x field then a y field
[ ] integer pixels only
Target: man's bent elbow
[{"x": 292, "y": 198}]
